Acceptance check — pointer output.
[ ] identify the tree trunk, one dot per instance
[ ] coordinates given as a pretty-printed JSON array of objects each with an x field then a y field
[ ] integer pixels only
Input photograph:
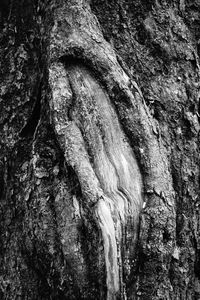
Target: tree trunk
[{"x": 99, "y": 159}]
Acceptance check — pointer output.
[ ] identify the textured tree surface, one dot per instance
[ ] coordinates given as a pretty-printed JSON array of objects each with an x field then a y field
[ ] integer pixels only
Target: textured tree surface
[{"x": 99, "y": 149}]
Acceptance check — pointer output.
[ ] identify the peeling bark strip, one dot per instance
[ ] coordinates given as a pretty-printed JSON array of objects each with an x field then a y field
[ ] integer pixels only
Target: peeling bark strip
[{"x": 97, "y": 149}]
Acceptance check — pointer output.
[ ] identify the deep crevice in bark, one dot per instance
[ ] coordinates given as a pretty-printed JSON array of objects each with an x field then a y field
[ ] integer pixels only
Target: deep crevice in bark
[{"x": 29, "y": 129}]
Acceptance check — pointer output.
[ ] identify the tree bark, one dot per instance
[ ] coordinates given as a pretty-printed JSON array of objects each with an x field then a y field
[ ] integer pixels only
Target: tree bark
[{"x": 99, "y": 159}]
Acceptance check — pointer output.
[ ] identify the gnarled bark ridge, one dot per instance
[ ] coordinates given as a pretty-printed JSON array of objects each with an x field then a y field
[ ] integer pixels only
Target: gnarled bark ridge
[
  {"x": 86, "y": 115},
  {"x": 96, "y": 148}
]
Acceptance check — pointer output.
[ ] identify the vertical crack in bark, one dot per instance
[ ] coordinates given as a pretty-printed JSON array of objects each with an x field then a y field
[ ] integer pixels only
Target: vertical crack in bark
[{"x": 31, "y": 125}]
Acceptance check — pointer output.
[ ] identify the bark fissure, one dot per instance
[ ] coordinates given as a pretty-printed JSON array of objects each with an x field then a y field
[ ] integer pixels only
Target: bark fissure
[{"x": 31, "y": 125}]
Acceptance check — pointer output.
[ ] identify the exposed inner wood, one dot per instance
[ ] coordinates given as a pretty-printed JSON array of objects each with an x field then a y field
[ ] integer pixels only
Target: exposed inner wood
[{"x": 98, "y": 150}]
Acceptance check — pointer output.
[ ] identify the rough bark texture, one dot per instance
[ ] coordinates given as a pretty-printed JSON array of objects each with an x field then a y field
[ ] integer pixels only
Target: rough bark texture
[{"x": 99, "y": 157}]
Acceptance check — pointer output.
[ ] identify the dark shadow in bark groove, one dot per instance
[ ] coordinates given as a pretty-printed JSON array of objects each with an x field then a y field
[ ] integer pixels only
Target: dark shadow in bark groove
[{"x": 30, "y": 127}]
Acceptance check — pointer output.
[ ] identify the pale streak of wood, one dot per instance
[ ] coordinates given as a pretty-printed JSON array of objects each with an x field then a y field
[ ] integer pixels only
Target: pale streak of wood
[{"x": 112, "y": 183}]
